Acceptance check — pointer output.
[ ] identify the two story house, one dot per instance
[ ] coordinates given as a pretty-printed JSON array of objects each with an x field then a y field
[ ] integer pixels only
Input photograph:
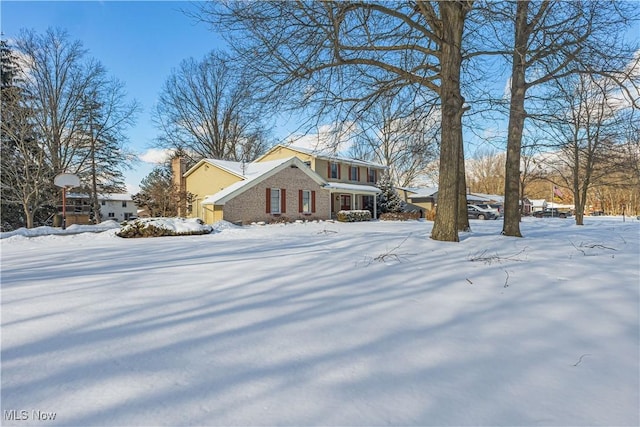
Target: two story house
[
  {"x": 113, "y": 206},
  {"x": 286, "y": 183},
  {"x": 351, "y": 182}
]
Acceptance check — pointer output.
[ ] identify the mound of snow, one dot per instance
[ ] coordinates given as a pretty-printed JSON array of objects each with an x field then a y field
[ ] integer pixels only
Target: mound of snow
[
  {"x": 72, "y": 229},
  {"x": 155, "y": 227}
]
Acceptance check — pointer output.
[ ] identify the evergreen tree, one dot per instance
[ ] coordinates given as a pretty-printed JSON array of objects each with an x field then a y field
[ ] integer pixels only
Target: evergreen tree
[
  {"x": 157, "y": 193},
  {"x": 389, "y": 200}
]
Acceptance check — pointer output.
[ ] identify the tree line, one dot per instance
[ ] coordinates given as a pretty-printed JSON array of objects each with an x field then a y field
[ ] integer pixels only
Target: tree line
[
  {"x": 404, "y": 82},
  {"x": 61, "y": 113},
  {"x": 340, "y": 59}
]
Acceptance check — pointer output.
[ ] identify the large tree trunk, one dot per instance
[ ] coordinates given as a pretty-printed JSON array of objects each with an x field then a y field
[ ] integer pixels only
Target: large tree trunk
[
  {"x": 517, "y": 114},
  {"x": 445, "y": 227}
]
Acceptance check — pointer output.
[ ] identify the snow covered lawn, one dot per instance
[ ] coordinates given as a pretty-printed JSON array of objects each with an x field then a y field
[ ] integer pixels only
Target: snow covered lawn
[{"x": 325, "y": 324}]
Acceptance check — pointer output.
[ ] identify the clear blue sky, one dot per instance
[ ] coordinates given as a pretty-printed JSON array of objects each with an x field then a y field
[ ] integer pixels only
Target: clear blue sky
[{"x": 139, "y": 42}]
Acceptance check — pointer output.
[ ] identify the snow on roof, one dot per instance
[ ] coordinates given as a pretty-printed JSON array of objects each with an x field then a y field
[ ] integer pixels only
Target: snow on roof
[
  {"x": 485, "y": 197},
  {"x": 106, "y": 196},
  {"x": 353, "y": 187},
  {"x": 325, "y": 155},
  {"x": 538, "y": 202},
  {"x": 420, "y": 191},
  {"x": 255, "y": 172},
  {"x": 116, "y": 196}
]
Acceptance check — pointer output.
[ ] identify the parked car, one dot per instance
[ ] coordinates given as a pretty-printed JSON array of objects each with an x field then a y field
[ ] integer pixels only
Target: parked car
[
  {"x": 497, "y": 209},
  {"x": 476, "y": 212},
  {"x": 551, "y": 213}
]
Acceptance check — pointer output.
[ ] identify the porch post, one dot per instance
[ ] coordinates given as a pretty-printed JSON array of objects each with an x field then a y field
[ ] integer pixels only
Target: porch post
[{"x": 375, "y": 206}]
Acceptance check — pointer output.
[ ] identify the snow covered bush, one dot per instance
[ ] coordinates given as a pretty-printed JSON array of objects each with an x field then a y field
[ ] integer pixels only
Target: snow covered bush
[
  {"x": 354, "y": 216},
  {"x": 158, "y": 227}
]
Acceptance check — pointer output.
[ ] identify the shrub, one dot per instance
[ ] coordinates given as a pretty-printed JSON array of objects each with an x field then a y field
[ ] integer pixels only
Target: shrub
[
  {"x": 430, "y": 215},
  {"x": 159, "y": 227},
  {"x": 400, "y": 216},
  {"x": 354, "y": 216}
]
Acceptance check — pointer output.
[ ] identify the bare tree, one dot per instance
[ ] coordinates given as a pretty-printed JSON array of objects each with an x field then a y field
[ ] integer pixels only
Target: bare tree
[
  {"x": 590, "y": 125},
  {"x": 545, "y": 40},
  {"x": 485, "y": 171},
  {"x": 337, "y": 58},
  {"x": 26, "y": 177},
  {"x": 59, "y": 76},
  {"x": 104, "y": 157},
  {"x": 209, "y": 108},
  {"x": 392, "y": 135},
  {"x": 77, "y": 111}
]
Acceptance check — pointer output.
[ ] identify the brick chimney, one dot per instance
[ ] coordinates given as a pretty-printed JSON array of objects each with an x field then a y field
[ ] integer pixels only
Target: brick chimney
[{"x": 178, "y": 169}]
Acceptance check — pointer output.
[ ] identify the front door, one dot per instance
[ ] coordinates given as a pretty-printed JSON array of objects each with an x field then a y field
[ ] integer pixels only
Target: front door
[{"x": 345, "y": 202}]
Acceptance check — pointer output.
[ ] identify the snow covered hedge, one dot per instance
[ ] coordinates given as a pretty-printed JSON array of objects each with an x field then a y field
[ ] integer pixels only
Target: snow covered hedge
[
  {"x": 399, "y": 216},
  {"x": 354, "y": 216},
  {"x": 158, "y": 227}
]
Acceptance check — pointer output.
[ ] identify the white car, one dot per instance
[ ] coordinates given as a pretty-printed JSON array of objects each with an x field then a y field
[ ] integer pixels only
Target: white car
[{"x": 494, "y": 208}]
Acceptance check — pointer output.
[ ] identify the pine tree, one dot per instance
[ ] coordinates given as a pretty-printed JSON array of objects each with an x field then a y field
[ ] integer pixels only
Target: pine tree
[
  {"x": 389, "y": 200},
  {"x": 157, "y": 193}
]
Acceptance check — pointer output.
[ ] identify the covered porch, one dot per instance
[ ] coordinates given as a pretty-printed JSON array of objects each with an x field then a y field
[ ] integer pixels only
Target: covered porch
[{"x": 353, "y": 197}]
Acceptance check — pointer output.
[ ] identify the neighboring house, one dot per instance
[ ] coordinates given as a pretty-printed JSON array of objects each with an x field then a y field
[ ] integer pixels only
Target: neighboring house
[
  {"x": 284, "y": 183},
  {"x": 117, "y": 206},
  {"x": 538, "y": 205},
  {"x": 113, "y": 206},
  {"x": 351, "y": 182},
  {"x": 527, "y": 206},
  {"x": 423, "y": 198}
]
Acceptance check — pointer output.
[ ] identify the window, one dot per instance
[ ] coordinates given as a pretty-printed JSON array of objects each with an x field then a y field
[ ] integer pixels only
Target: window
[
  {"x": 306, "y": 201},
  {"x": 335, "y": 171},
  {"x": 127, "y": 215},
  {"x": 275, "y": 200},
  {"x": 371, "y": 175},
  {"x": 103, "y": 203},
  {"x": 124, "y": 204},
  {"x": 111, "y": 215},
  {"x": 354, "y": 173}
]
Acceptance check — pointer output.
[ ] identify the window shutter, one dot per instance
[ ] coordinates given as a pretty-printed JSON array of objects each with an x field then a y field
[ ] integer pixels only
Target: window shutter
[
  {"x": 268, "y": 200},
  {"x": 313, "y": 202},
  {"x": 299, "y": 200},
  {"x": 283, "y": 200},
  {"x": 358, "y": 178},
  {"x": 328, "y": 170},
  {"x": 338, "y": 165}
]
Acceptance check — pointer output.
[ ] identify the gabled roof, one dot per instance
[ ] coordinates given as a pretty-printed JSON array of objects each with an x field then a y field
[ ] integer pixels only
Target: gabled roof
[
  {"x": 482, "y": 197},
  {"x": 324, "y": 155},
  {"x": 257, "y": 172},
  {"x": 234, "y": 168},
  {"x": 419, "y": 191}
]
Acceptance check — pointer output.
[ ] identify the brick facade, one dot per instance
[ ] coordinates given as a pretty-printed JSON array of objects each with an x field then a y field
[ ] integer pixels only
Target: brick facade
[{"x": 250, "y": 206}]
